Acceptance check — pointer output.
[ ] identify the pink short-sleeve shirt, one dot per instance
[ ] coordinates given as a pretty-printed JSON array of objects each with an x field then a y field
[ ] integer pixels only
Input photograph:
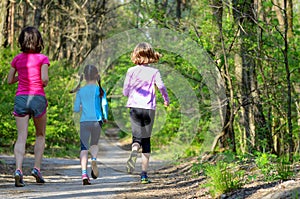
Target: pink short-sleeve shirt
[{"x": 28, "y": 67}]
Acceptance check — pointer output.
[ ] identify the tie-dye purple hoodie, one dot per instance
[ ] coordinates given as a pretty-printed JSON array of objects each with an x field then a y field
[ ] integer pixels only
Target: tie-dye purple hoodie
[{"x": 139, "y": 87}]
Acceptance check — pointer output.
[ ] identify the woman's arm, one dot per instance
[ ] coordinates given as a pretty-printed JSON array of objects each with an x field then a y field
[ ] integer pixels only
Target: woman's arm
[
  {"x": 12, "y": 78},
  {"x": 44, "y": 75}
]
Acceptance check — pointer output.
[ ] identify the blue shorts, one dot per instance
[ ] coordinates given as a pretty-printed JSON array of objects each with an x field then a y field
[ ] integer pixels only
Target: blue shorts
[{"x": 32, "y": 105}]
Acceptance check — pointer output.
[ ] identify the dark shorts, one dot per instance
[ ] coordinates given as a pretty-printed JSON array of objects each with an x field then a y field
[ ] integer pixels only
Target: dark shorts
[
  {"x": 142, "y": 121},
  {"x": 144, "y": 143},
  {"x": 89, "y": 134},
  {"x": 33, "y": 105}
]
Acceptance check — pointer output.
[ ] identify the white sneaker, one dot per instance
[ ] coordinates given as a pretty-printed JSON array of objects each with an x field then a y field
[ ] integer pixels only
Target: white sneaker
[
  {"x": 95, "y": 171},
  {"x": 131, "y": 161}
]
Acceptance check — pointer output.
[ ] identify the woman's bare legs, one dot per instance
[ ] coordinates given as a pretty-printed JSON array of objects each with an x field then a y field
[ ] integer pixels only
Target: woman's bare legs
[
  {"x": 19, "y": 149},
  {"x": 39, "y": 147}
]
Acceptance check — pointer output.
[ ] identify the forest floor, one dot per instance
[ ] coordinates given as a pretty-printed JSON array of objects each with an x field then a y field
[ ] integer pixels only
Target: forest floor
[{"x": 63, "y": 180}]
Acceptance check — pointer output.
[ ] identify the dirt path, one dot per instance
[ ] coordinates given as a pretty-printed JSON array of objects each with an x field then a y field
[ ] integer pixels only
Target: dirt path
[
  {"x": 63, "y": 180},
  {"x": 63, "y": 176}
]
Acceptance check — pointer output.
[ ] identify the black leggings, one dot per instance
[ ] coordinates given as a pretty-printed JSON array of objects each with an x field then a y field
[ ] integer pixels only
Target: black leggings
[
  {"x": 144, "y": 143},
  {"x": 141, "y": 122}
]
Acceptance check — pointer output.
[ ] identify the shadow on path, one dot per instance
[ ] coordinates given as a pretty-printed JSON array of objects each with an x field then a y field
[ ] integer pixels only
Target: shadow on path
[{"x": 63, "y": 176}]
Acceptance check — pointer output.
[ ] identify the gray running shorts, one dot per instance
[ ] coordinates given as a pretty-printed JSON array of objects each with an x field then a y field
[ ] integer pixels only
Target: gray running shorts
[
  {"x": 89, "y": 134},
  {"x": 33, "y": 105}
]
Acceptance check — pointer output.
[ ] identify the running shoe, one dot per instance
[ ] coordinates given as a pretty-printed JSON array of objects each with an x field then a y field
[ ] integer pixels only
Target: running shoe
[
  {"x": 131, "y": 161},
  {"x": 95, "y": 171},
  {"x": 85, "y": 179},
  {"x": 38, "y": 176},
  {"x": 145, "y": 179},
  {"x": 19, "y": 179}
]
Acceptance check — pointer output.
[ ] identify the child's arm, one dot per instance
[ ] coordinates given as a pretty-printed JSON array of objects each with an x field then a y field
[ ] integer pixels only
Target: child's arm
[
  {"x": 126, "y": 87},
  {"x": 12, "y": 78},
  {"x": 44, "y": 75},
  {"x": 164, "y": 93},
  {"x": 104, "y": 107},
  {"x": 77, "y": 103},
  {"x": 160, "y": 85}
]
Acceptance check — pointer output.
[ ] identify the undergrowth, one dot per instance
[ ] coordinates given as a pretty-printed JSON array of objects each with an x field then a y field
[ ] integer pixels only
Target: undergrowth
[{"x": 226, "y": 172}]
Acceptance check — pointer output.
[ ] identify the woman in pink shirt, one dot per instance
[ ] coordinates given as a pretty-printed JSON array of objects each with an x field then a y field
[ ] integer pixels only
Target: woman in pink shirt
[
  {"x": 139, "y": 87},
  {"x": 30, "y": 70}
]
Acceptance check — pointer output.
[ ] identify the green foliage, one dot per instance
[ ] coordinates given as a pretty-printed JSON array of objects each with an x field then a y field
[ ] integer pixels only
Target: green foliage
[
  {"x": 295, "y": 194},
  {"x": 7, "y": 121},
  {"x": 223, "y": 178},
  {"x": 197, "y": 168},
  {"x": 62, "y": 136},
  {"x": 284, "y": 168},
  {"x": 263, "y": 42},
  {"x": 273, "y": 167},
  {"x": 264, "y": 163},
  {"x": 225, "y": 175}
]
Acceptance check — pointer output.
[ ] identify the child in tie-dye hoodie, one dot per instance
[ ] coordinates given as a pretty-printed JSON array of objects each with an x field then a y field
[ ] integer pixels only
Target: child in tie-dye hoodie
[{"x": 139, "y": 87}]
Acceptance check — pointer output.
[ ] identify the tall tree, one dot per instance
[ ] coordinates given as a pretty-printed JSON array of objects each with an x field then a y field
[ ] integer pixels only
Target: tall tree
[
  {"x": 10, "y": 24},
  {"x": 38, "y": 13},
  {"x": 287, "y": 32},
  {"x": 3, "y": 30},
  {"x": 227, "y": 136},
  {"x": 253, "y": 122}
]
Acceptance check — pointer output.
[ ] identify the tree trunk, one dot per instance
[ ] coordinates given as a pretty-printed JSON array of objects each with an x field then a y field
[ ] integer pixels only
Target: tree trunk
[
  {"x": 289, "y": 136},
  {"x": 227, "y": 136},
  {"x": 289, "y": 15},
  {"x": 38, "y": 13},
  {"x": 3, "y": 31},
  {"x": 253, "y": 124},
  {"x": 25, "y": 15},
  {"x": 243, "y": 69},
  {"x": 265, "y": 126},
  {"x": 10, "y": 24},
  {"x": 178, "y": 12}
]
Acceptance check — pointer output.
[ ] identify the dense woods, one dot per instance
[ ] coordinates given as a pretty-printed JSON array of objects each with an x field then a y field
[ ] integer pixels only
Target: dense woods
[{"x": 253, "y": 43}]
